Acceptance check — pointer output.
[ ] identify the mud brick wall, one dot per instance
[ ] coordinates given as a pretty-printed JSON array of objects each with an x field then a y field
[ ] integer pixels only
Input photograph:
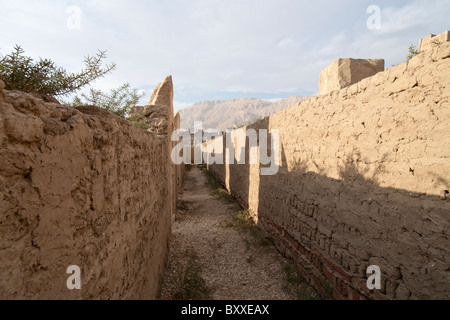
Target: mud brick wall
[
  {"x": 180, "y": 169},
  {"x": 80, "y": 187},
  {"x": 363, "y": 180}
]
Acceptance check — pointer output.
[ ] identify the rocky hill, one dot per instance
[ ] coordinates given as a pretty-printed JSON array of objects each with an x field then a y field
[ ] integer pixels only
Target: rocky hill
[{"x": 232, "y": 113}]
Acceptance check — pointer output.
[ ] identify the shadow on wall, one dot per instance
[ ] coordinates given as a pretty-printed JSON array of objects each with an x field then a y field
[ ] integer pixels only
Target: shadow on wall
[
  {"x": 337, "y": 210},
  {"x": 334, "y": 229},
  {"x": 354, "y": 169}
]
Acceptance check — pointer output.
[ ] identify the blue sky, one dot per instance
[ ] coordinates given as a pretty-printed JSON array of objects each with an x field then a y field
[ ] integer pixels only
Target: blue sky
[{"x": 218, "y": 49}]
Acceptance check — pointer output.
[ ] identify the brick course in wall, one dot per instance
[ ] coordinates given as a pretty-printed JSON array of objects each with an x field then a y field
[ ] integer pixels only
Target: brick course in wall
[
  {"x": 81, "y": 187},
  {"x": 363, "y": 181}
]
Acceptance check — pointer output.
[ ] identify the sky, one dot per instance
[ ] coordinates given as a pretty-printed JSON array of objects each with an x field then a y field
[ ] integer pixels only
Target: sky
[{"x": 219, "y": 49}]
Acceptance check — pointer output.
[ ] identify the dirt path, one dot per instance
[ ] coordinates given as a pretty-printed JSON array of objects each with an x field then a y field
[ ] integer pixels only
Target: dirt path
[{"x": 217, "y": 254}]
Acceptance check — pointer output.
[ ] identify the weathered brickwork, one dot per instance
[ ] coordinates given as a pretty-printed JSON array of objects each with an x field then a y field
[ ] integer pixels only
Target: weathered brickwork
[
  {"x": 363, "y": 181},
  {"x": 81, "y": 187}
]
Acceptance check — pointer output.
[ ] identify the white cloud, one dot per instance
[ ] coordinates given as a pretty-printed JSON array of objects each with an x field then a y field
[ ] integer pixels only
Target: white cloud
[
  {"x": 212, "y": 46},
  {"x": 413, "y": 15},
  {"x": 336, "y": 44},
  {"x": 286, "y": 43}
]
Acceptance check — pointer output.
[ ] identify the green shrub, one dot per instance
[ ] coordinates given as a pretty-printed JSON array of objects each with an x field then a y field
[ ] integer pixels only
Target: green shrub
[
  {"x": 138, "y": 121},
  {"x": 44, "y": 77},
  {"x": 192, "y": 285},
  {"x": 412, "y": 52},
  {"x": 118, "y": 101}
]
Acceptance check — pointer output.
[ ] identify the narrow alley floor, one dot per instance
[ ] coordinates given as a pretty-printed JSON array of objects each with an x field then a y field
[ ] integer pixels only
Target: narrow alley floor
[{"x": 216, "y": 253}]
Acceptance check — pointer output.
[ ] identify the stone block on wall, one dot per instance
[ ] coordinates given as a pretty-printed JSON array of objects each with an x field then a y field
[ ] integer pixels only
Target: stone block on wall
[
  {"x": 343, "y": 73},
  {"x": 432, "y": 40},
  {"x": 357, "y": 186}
]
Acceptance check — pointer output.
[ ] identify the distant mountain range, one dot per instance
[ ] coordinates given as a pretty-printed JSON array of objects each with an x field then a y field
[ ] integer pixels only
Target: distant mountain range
[{"x": 228, "y": 114}]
